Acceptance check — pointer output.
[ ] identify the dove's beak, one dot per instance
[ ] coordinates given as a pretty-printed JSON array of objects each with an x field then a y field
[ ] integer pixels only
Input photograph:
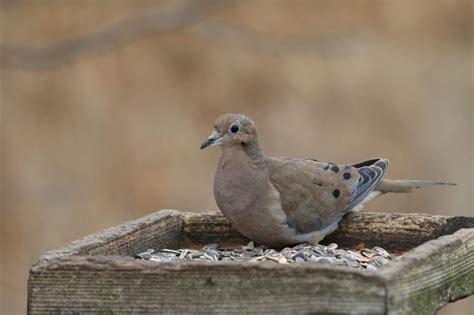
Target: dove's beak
[{"x": 212, "y": 140}]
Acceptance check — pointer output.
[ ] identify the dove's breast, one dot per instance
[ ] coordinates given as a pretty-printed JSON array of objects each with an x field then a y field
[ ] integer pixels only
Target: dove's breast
[{"x": 251, "y": 203}]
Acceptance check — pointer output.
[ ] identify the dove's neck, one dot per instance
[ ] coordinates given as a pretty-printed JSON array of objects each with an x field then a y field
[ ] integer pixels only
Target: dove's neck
[
  {"x": 240, "y": 156},
  {"x": 253, "y": 151}
]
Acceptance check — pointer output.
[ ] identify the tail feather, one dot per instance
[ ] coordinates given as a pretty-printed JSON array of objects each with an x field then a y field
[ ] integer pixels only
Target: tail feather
[{"x": 405, "y": 185}]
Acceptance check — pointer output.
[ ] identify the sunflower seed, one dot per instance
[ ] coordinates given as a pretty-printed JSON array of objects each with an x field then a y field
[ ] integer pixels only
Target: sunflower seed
[
  {"x": 381, "y": 252},
  {"x": 213, "y": 246},
  {"x": 282, "y": 260},
  {"x": 183, "y": 254},
  {"x": 170, "y": 251},
  {"x": 145, "y": 255},
  {"x": 332, "y": 246},
  {"x": 371, "y": 267},
  {"x": 365, "y": 258}
]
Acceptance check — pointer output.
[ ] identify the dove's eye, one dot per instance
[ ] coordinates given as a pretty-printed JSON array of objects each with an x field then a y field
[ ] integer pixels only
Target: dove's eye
[{"x": 234, "y": 128}]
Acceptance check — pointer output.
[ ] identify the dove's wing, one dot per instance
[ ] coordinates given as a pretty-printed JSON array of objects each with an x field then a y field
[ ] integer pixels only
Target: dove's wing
[
  {"x": 315, "y": 195},
  {"x": 370, "y": 173}
]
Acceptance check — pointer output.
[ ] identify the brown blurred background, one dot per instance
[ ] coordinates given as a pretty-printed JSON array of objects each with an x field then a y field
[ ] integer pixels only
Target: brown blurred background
[{"x": 104, "y": 105}]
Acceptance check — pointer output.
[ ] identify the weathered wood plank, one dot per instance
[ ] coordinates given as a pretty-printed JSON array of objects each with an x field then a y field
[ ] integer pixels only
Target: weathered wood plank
[
  {"x": 432, "y": 275},
  {"x": 157, "y": 230},
  {"x": 85, "y": 277},
  {"x": 122, "y": 285},
  {"x": 393, "y": 231},
  {"x": 396, "y": 232},
  {"x": 212, "y": 227}
]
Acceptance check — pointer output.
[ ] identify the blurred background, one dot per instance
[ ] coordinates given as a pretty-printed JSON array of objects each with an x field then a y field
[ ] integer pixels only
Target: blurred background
[{"x": 104, "y": 105}]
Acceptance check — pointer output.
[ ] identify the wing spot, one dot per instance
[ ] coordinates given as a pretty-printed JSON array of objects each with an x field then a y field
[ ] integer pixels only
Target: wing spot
[
  {"x": 336, "y": 193},
  {"x": 334, "y": 168},
  {"x": 347, "y": 175}
]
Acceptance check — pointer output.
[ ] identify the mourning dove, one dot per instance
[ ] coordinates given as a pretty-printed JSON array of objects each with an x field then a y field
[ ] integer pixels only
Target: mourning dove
[{"x": 279, "y": 201}]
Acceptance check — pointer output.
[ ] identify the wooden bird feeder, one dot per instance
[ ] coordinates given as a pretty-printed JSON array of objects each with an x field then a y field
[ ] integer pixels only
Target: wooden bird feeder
[{"x": 98, "y": 274}]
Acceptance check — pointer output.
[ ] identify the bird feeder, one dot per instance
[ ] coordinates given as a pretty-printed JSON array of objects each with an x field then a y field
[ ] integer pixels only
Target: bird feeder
[{"x": 99, "y": 273}]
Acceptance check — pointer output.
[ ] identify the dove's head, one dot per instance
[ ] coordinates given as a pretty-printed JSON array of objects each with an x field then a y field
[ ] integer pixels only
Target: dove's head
[{"x": 232, "y": 130}]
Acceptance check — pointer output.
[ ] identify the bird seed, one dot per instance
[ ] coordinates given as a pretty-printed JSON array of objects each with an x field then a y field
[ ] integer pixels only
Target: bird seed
[{"x": 363, "y": 258}]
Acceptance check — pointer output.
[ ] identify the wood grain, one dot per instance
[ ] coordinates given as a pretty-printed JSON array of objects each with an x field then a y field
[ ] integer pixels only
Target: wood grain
[
  {"x": 157, "y": 230},
  {"x": 98, "y": 275},
  {"x": 432, "y": 275},
  {"x": 393, "y": 231},
  {"x": 118, "y": 284}
]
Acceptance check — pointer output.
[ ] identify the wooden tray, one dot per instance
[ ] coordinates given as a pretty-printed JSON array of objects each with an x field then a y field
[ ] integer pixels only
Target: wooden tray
[{"x": 99, "y": 274}]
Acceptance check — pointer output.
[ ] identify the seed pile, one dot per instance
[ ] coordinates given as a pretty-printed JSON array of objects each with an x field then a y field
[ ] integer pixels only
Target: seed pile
[{"x": 364, "y": 258}]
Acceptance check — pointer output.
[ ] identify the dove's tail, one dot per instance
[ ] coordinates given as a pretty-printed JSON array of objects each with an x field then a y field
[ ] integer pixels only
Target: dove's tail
[{"x": 405, "y": 185}]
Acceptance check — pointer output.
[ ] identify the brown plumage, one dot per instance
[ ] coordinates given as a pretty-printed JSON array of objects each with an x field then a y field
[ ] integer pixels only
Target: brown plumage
[{"x": 283, "y": 201}]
